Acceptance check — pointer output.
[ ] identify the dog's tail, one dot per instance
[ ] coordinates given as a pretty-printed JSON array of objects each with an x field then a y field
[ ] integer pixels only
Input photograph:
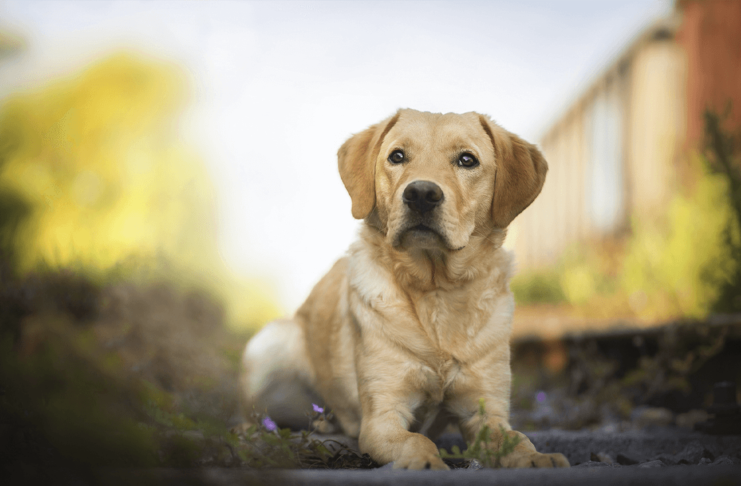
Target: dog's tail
[{"x": 276, "y": 376}]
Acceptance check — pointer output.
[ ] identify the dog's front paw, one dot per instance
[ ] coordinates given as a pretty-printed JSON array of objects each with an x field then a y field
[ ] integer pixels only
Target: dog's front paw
[
  {"x": 534, "y": 459},
  {"x": 420, "y": 461}
]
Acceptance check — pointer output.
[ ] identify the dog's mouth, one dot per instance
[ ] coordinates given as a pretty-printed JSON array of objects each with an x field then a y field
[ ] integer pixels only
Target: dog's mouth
[
  {"x": 423, "y": 228},
  {"x": 422, "y": 232},
  {"x": 421, "y": 236}
]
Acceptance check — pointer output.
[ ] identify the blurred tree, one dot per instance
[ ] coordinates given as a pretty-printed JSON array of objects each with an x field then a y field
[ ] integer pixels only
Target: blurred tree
[
  {"x": 93, "y": 175},
  {"x": 95, "y": 157}
]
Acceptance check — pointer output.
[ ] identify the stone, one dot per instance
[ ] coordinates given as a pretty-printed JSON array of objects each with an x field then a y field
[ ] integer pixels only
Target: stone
[
  {"x": 601, "y": 457},
  {"x": 625, "y": 460},
  {"x": 689, "y": 419},
  {"x": 652, "y": 416},
  {"x": 692, "y": 453},
  {"x": 725, "y": 461},
  {"x": 593, "y": 464}
]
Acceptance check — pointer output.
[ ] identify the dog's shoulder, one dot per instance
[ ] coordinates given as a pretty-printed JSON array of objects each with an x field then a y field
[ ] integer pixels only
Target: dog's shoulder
[{"x": 324, "y": 299}]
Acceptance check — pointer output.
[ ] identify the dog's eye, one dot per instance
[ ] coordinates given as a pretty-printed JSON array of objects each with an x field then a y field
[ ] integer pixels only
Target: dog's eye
[
  {"x": 467, "y": 160},
  {"x": 396, "y": 157}
]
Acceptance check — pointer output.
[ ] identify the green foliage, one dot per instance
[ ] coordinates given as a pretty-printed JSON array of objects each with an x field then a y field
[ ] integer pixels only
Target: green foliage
[
  {"x": 115, "y": 375},
  {"x": 595, "y": 385},
  {"x": 483, "y": 449},
  {"x": 682, "y": 351},
  {"x": 674, "y": 268},
  {"x": 112, "y": 346},
  {"x": 282, "y": 449},
  {"x": 683, "y": 263},
  {"x": 14, "y": 210},
  {"x": 266, "y": 446},
  {"x": 95, "y": 176},
  {"x": 88, "y": 381},
  {"x": 541, "y": 287},
  {"x": 722, "y": 153},
  {"x": 56, "y": 390},
  {"x": 690, "y": 263}
]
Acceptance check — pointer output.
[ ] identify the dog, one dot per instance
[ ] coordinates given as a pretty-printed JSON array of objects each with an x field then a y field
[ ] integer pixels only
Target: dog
[{"x": 411, "y": 329}]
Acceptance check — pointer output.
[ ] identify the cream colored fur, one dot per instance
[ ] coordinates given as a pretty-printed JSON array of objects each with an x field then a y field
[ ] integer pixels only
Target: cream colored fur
[{"x": 413, "y": 323}]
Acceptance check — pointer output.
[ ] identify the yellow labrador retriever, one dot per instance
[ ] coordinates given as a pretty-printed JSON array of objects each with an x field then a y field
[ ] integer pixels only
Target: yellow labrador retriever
[{"x": 411, "y": 329}]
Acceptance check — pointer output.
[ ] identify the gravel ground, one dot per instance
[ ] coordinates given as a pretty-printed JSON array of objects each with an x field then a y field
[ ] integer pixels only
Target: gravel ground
[
  {"x": 671, "y": 475},
  {"x": 725, "y": 475},
  {"x": 656, "y": 456},
  {"x": 654, "y": 447},
  {"x": 651, "y": 448}
]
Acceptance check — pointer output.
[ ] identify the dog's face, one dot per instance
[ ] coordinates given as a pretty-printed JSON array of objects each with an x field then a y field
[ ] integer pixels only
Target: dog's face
[{"x": 430, "y": 181}]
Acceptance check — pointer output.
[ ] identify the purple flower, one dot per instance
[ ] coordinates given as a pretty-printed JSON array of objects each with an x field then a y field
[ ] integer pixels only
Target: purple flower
[
  {"x": 317, "y": 408},
  {"x": 268, "y": 423},
  {"x": 541, "y": 397}
]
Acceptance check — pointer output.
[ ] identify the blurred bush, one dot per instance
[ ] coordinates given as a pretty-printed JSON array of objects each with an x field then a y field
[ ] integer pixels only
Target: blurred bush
[
  {"x": 113, "y": 375},
  {"x": 686, "y": 263},
  {"x": 675, "y": 268},
  {"x": 723, "y": 152},
  {"x": 95, "y": 176},
  {"x": 114, "y": 303},
  {"x": 538, "y": 287},
  {"x": 604, "y": 379},
  {"x": 124, "y": 375}
]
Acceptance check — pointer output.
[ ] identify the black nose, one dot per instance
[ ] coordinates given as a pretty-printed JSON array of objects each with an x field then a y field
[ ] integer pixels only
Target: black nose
[{"x": 422, "y": 196}]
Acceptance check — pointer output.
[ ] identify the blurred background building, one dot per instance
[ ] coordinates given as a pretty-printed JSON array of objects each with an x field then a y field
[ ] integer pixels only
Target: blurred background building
[{"x": 618, "y": 149}]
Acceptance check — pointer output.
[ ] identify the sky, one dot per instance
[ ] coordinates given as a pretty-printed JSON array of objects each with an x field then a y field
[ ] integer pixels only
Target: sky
[{"x": 278, "y": 86}]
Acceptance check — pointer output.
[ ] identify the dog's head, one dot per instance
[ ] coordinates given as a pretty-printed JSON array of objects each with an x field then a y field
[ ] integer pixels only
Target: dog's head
[{"x": 430, "y": 180}]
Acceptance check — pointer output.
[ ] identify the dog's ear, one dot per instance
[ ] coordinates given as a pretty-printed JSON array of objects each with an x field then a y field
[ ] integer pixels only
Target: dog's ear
[
  {"x": 357, "y": 163},
  {"x": 520, "y": 173}
]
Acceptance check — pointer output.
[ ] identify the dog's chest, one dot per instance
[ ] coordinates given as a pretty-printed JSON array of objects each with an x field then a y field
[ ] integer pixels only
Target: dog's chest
[
  {"x": 452, "y": 321},
  {"x": 458, "y": 326},
  {"x": 437, "y": 377}
]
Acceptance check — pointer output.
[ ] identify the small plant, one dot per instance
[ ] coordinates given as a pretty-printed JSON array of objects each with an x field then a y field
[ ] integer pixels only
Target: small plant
[
  {"x": 268, "y": 446},
  {"x": 482, "y": 448},
  {"x": 265, "y": 445}
]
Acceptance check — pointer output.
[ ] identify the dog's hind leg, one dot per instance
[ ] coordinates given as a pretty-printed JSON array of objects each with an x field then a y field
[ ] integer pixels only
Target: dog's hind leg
[{"x": 277, "y": 376}]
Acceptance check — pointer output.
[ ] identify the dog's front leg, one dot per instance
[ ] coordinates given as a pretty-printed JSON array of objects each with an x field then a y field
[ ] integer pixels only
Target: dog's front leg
[{"x": 385, "y": 437}]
